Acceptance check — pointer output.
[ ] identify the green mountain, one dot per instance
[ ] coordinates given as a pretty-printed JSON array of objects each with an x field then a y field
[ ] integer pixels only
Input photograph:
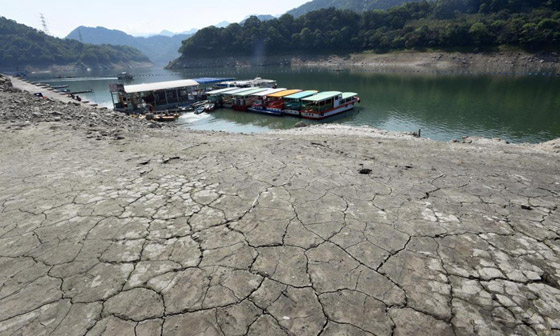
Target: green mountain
[
  {"x": 443, "y": 24},
  {"x": 263, "y": 17},
  {"x": 159, "y": 48},
  {"x": 24, "y": 46},
  {"x": 354, "y": 5}
]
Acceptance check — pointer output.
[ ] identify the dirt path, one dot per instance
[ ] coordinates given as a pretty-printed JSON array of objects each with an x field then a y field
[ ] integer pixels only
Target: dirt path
[{"x": 32, "y": 88}]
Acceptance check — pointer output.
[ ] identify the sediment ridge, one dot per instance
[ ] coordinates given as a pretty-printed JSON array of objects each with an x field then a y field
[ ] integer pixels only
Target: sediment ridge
[{"x": 317, "y": 231}]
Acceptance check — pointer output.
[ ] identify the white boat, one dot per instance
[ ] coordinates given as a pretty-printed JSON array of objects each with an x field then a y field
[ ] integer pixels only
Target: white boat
[
  {"x": 229, "y": 96},
  {"x": 257, "y": 82},
  {"x": 328, "y": 104},
  {"x": 241, "y": 100}
]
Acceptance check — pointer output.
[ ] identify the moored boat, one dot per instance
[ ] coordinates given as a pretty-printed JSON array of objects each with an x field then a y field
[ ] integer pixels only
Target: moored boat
[
  {"x": 241, "y": 100},
  {"x": 159, "y": 96},
  {"x": 257, "y": 82},
  {"x": 199, "y": 110},
  {"x": 125, "y": 76},
  {"x": 328, "y": 104},
  {"x": 216, "y": 96},
  {"x": 228, "y": 97},
  {"x": 165, "y": 116},
  {"x": 272, "y": 103},
  {"x": 293, "y": 103}
]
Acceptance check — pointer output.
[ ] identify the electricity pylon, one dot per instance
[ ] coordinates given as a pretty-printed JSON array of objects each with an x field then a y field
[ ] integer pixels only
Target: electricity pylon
[{"x": 44, "y": 23}]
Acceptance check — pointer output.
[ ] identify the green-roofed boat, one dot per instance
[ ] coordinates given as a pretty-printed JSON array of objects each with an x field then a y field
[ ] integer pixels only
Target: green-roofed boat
[
  {"x": 293, "y": 103},
  {"x": 328, "y": 104}
]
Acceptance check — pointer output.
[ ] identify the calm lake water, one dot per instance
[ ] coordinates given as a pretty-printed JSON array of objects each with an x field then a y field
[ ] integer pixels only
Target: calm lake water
[{"x": 446, "y": 106}]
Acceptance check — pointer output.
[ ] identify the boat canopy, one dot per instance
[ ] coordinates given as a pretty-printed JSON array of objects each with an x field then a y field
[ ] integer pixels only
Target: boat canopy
[
  {"x": 211, "y": 80},
  {"x": 322, "y": 96},
  {"x": 237, "y": 90},
  {"x": 249, "y": 82},
  {"x": 249, "y": 92},
  {"x": 268, "y": 92},
  {"x": 221, "y": 91},
  {"x": 160, "y": 86},
  {"x": 283, "y": 93},
  {"x": 348, "y": 94},
  {"x": 302, "y": 94}
]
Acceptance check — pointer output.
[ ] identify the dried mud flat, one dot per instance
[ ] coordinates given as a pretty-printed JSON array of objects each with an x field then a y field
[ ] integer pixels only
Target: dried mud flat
[{"x": 188, "y": 233}]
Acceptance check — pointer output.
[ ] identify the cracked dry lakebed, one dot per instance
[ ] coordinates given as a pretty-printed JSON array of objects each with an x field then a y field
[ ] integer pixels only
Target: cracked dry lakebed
[{"x": 173, "y": 232}]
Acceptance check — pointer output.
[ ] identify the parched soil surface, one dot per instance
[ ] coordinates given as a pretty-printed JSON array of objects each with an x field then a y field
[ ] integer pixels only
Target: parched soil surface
[{"x": 173, "y": 232}]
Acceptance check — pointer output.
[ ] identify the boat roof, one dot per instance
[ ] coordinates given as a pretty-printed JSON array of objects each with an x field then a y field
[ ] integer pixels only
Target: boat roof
[
  {"x": 249, "y": 92},
  {"x": 237, "y": 90},
  {"x": 302, "y": 94},
  {"x": 322, "y": 96},
  {"x": 283, "y": 93},
  {"x": 257, "y": 80},
  {"x": 160, "y": 85},
  {"x": 348, "y": 94},
  {"x": 221, "y": 90},
  {"x": 211, "y": 80},
  {"x": 267, "y": 92},
  {"x": 264, "y": 80}
]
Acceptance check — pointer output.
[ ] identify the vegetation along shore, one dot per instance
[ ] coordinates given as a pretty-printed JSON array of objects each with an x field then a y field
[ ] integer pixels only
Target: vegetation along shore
[
  {"x": 464, "y": 26},
  {"x": 25, "y": 48}
]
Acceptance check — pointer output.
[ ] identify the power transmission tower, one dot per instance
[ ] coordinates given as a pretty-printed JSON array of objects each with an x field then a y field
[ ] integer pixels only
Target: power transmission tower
[
  {"x": 44, "y": 23},
  {"x": 80, "y": 35}
]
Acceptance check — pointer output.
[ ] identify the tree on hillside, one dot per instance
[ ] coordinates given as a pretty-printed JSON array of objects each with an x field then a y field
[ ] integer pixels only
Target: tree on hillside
[{"x": 529, "y": 24}]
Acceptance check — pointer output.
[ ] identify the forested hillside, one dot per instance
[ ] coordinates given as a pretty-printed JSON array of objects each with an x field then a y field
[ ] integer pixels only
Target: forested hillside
[
  {"x": 25, "y": 46},
  {"x": 443, "y": 24},
  {"x": 159, "y": 48},
  {"x": 354, "y": 5}
]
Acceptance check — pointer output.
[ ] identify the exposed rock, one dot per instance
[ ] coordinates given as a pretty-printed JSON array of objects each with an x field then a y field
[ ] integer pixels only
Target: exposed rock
[{"x": 17, "y": 105}]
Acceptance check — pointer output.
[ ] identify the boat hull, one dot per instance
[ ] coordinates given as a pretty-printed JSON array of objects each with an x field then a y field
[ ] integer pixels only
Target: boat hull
[
  {"x": 330, "y": 113},
  {"x": 265, "y": 111},
  {"x": 240, "y": 107},
  {"x": 294, "y": 113}
]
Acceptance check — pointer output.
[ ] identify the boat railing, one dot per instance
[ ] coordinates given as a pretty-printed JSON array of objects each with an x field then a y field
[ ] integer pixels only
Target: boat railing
[
  {"x": 276, "y": 104},
  {"x": 292, "y": 105}
]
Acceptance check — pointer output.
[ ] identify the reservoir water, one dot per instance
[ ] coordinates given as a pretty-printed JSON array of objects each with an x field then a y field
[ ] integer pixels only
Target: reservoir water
[{"x": 444, "y": 105}]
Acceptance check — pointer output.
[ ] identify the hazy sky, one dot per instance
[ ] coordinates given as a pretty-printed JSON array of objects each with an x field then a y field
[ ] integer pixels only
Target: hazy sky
[{"x": 140, "y": 16}]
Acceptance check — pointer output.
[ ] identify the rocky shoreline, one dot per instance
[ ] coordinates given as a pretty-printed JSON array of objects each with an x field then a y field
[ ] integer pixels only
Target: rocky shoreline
[
  {"x": 506, "y": 61},
  {"x": 311, "y": 231},
  {"x": 21, "y": 108}
]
